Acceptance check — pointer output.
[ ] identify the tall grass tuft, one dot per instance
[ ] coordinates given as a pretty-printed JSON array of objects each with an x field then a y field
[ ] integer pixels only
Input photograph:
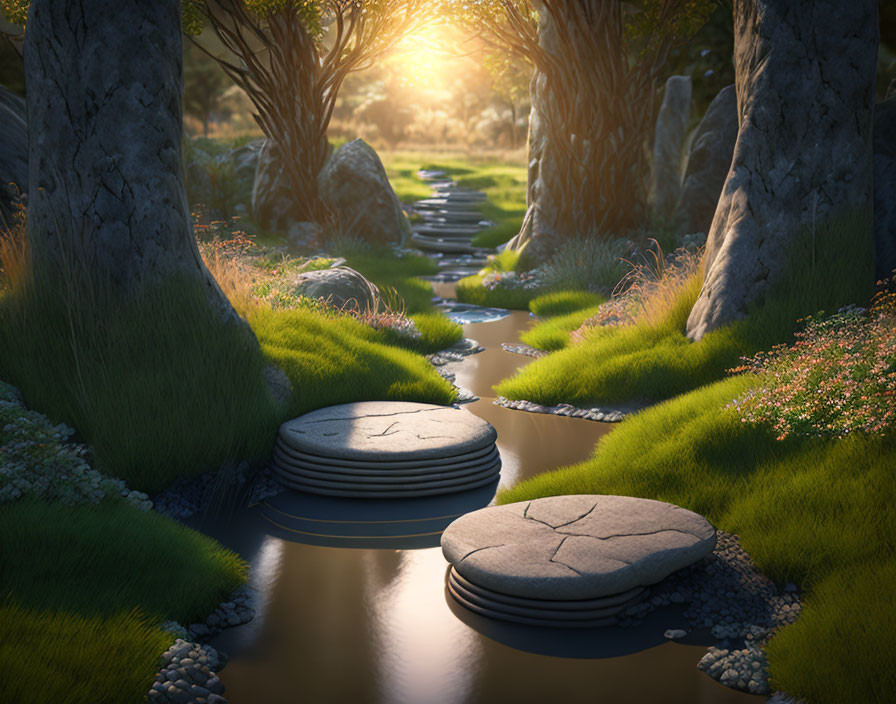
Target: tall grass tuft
[
  {"x": 65, "y": 658},
  {"x": 586, "y": 264}
]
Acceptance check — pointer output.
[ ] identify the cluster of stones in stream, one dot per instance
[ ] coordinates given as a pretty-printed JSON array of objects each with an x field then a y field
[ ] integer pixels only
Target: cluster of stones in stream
[
  {"x": 187, "y": 676},
  {"x": 729, "y": 596},
  {"x": 602, "y": 415}
]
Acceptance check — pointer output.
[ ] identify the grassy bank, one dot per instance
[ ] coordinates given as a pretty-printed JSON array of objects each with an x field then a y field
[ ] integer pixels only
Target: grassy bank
[
  {"x": 86, "y": 589},
  {"x": 653, "y": 360},
  {"x": 819, "y": 512}
]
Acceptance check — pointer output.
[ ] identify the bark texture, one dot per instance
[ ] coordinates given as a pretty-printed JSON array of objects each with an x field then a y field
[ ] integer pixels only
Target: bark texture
[
  {"x": 106, "y": 197},
  {"x": 805, "y": 74},
  {"x": 13, "y": 154},
  {"x": 668, "y": 145},
  {"x": 708, "y": 162}
]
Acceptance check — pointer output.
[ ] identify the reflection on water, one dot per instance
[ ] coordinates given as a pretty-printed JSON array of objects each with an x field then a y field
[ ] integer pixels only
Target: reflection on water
[{"x": 375, "y": 625}]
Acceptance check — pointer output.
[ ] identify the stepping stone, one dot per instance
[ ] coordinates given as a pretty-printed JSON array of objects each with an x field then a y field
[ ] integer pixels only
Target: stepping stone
[
  {"x": 443, "y": 204},
  {"x": 431, "y": 175},
  {"x": 575, "y": 547},
  {"x": 460, "y": 217},
  {"x": 296, "y": 476},
  {"x": 387, "y": 431},
  {"x": 449, "y": 231},
  {"x": 437, "y": 244},
  {"x": 386, "y": 475},
  {"x": 486, "y": 454},
  {"x": 396, "y": 494},
  {"x": 460, "y": 196},
  {"x": 537, "y": 615}
]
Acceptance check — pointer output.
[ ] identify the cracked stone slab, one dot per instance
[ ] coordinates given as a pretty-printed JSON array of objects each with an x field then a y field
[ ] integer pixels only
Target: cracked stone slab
[
  {"x": 575, "y": 547},
  {"x": 387, "y": 431}
]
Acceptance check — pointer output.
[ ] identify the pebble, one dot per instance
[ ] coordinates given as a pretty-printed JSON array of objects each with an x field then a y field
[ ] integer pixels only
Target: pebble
[
  {"x": 187, "y": 675},
  {"x": 675, "y": 634}
]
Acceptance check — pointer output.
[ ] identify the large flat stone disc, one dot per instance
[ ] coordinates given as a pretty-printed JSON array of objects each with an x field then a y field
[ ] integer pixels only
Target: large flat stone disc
[
  {"x": 384, "y": 477},
  {"x": 488, "y": 452},
  {"x": 387, "y": 431},
  {"x": 575, "y": 547},
  {"x": 533, "y": 609},
  {"x": 393, "y": 494},
  {"x": 421, "y": 472},
  {"x": 295, "y": 478}
]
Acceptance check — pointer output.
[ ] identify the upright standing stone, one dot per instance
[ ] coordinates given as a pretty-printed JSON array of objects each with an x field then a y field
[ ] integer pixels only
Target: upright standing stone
[
  {"x": 708, "y": 162},
  {"x": 668, "y": 143},
  {"x": 885, "y": 186},
  {"x": 805, "y": 86}
]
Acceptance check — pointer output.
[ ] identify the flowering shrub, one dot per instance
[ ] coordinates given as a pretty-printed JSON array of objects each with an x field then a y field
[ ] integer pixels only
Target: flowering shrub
[
  {"x": 518, "y": 280},
  {"x": 38, "y": 459},
  {"x": 838, "y": 378}
]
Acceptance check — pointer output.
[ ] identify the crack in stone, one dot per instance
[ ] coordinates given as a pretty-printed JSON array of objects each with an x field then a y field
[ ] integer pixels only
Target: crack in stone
[
  {"x": 562, "y": 564},
  {"x": 487, "y": 547},
  {"x": 634, "y": 535},
  {"x": 386, "y": 431}
]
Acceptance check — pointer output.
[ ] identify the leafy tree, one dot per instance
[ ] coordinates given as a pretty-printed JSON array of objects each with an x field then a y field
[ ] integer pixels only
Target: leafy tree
[
  {"x": 291, "y": 58},
  {"x": 510, "y": 81},
  {"x": 597, "y": 65}
]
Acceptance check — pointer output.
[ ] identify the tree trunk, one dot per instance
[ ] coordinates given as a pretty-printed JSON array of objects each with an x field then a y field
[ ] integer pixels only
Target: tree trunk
[
  {"x": 805, "y": 73},
  {"x": 107, "y": 203}
]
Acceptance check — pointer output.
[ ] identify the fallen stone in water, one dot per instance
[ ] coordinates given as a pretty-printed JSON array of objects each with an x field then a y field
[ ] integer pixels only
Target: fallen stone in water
[{"x": 575, "y": 547}]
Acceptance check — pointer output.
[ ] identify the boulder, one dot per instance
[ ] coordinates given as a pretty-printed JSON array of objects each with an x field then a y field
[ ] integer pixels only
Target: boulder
[
  {"x": 885, "y": 187},
  {"x": 805, "y": 81},
  {"x": 668, "y": 142},
  {"x": 341, "y": 286},
  {"x": 354, "y": 186},
  {"x": 708, "y": 162},
  {"x": 13, "y": 153}
]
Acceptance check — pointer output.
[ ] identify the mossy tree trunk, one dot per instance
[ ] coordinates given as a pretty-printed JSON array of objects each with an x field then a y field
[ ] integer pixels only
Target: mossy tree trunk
[
  {"x": 805, "y": 75},
  {"x": 107, "y": 206}
]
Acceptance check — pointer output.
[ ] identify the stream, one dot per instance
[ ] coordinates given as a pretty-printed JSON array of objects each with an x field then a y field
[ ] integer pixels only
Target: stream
[{"x": 365, "y": 624}]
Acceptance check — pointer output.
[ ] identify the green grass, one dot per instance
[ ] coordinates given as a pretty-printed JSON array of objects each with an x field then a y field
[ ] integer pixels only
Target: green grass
[
  {"x": 157, "y": 386},
  {"x": 438, "y": 333},
  {"x": 553, "y": 334},
  {"x": 819, "y": 512},
  {"x": 503, "y": 182},
  {"x": 65, "y": 658},
  {"x": 332, "y": 360},
  {"x": 74, "y": 578},
  {"x": 471, "y": 290},
  {"x": 100, "y": 559},
  {"x": 653, "y": 362},
  {"x": 563, "y": 302}
]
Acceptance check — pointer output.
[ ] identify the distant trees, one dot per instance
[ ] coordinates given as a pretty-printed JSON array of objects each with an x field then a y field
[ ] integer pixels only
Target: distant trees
[
  {"x": 204, "y": 86},
  {"x": 291, "y": 58},
  {"x": 597, "y": 63}
]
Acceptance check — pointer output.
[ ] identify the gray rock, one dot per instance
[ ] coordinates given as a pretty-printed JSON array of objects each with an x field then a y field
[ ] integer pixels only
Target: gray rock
[
  {"x": 386, "y": 474},
  {"x": 354, "y": 185},
  {"x": 341, "y": 286},
  {"x": 414, "y": 465},
  {"x": 13, "y": 153},
  {"x": 575, "y": 547},
  {"x": 668, "y": 142},
  {"x": 885, "y": 187},
  {"x": 805, "y": 105},
  {"x": 708, "y": 162},
  {"x": 395, "y": 486},
  {"x": 303, "y": 234},
  {"x": 387, "y": 431},
  {"x": 675, "y": 634}
]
